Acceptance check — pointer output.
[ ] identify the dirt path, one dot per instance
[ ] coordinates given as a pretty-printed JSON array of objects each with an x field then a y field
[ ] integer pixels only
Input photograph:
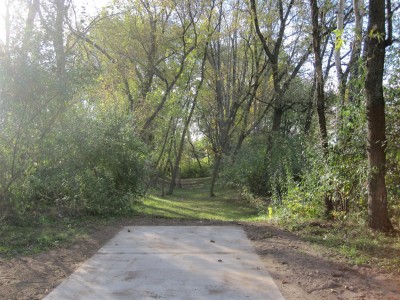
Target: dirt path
[
  {"x": 305, "y": 271},
  {"x": 301, "y": 270}
]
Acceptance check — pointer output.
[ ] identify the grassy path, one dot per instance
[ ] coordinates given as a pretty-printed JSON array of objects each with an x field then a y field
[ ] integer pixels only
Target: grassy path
[
  {"x": 188, "y": 203},
  {"x": 192, "y": 202}
]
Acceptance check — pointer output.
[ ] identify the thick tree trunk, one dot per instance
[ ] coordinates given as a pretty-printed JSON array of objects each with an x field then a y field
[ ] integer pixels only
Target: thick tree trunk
[
  {"x": 277, "y": 119},
  {"x": 319, "y": 80},
  {"x": 375, "y": 104}
]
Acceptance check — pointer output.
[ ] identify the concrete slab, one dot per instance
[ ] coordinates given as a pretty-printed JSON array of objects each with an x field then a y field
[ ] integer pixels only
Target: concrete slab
[{"x": 172, "y": 262}]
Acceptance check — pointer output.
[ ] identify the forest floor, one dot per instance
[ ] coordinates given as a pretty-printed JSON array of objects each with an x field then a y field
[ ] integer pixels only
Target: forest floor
[{"x": 301, "y": 269}]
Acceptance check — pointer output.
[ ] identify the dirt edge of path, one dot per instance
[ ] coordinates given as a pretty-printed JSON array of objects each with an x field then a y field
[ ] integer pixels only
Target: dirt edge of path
[{"x": 301, "y": 270}]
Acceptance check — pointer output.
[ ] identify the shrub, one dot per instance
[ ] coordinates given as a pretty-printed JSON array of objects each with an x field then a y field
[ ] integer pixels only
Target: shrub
[{"x": 92, "y": 164}]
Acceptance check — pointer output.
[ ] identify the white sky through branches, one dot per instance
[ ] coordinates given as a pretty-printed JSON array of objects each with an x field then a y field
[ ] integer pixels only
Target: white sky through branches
[{"x": 92, "y": 7}]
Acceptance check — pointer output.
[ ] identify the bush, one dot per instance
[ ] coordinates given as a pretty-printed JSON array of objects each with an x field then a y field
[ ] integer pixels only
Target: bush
[
  {"x": 265, "y": 173},
  {"x": 91, "y": 164}
]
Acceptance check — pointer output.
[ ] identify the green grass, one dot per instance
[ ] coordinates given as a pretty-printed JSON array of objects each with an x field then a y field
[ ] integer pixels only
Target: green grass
[
  {"x": 354, "y": 243},
  {"x": 350, "y": 240},
  {"x": 45, "y": 233},
  {"x": 35, "y": 238},
  {"x": 193, "y": 202}
]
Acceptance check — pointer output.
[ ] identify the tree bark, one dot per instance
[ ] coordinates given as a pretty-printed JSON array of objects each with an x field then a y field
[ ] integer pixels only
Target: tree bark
[
  {"x": 217, "y": 163},
  {"x": 310, "y": 108},
  {"x": 358, "y": 6},
  {"x": 378, "y": 218},
  {"x": 319, "y": 92}
]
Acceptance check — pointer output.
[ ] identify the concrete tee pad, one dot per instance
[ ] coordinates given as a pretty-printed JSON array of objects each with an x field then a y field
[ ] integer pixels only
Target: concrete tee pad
[{"x": 172, "y": 262}]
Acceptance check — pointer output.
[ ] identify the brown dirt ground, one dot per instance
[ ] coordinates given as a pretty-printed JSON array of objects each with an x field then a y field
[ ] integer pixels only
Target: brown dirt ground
[{"x": 301, "y": 270}]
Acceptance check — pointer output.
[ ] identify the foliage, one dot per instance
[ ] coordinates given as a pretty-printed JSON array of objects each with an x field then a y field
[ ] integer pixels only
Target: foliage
[
  {"x": 392, "y": 94},
  {"x": 296, "y": 176},
  {"x": 195, "y": 162},
  {"x": 192, "y": 169},
  {"x": 94, "y": 164},
  {"x": 266, "y": 172},
  {"x": 30, "y": 104}
]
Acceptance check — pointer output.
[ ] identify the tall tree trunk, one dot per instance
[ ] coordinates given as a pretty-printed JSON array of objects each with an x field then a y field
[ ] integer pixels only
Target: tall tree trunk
[
  {"x": 319, "y": 91},
  {"x": 310, "y": 109},
  {"x": 319, "y": 80},
  {"x": 175, "y": 169},
  {"x": 277, "y": 118},
  {"x": 378, "y": 218},
  {"x": 214, "y": 175},
  {"x": 358, "y": 6}
]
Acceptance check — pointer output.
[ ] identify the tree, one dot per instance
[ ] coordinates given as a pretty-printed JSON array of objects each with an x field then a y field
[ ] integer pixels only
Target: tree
[
  {"x": 32, "y": 96},
  {"x": 352, "y": 65},
  {"x": 375, "y": 45},
  {"x": 285, "y": 60},
  {"x": 234, "y": 72},
  {"x": 319, "y": 78},
  {"x": 202, "y": 48},
  {"x": 319, "y": 89}
]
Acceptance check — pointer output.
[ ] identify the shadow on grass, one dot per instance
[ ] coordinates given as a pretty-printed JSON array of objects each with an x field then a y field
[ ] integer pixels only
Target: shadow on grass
[
  {"x": 194, "y": 203},
  {"x": 358, "y": 245}
]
